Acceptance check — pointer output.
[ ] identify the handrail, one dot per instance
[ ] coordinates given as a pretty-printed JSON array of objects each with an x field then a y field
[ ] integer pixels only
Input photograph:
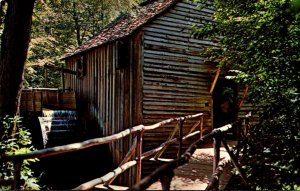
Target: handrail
[
  {"x": 166, "y": 172},
  {"x": 90, "y": 184},
  {"x": 174, "y": 164},
  {"x": 169, "y": 167},
  {"x": 91, "y": 142},
  {"x": 18, "y": 158}
]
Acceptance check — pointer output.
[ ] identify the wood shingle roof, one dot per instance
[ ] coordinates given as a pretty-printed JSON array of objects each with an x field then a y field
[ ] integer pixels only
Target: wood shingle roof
[{"x": 125, "y": 25}]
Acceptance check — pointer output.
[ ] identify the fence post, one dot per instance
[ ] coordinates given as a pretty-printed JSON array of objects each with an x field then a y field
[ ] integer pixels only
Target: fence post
[
  {"x": 217, "y": 144},
  {"x": 180, "y": 138},
  {"x": 139, "y": 156},
  {"x": 17, "y": 174},
  {"x": 166, "y": 180},
  {"x": 234, "y": 161},
  {"x": 201, "y": 127},
  {"x": 240, "y": 135}
]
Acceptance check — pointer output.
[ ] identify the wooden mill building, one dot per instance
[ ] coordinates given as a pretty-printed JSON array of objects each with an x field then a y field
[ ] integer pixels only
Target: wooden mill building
[{"x": 143, "y": 68}]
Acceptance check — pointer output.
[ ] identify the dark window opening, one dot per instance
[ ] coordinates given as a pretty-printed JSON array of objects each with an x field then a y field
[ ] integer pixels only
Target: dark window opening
[
  {"x": 123, "y": 58},
  {"x": 81, "y": 67}
]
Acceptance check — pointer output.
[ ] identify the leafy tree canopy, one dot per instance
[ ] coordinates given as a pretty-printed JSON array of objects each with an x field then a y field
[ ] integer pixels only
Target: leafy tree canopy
[
  {"x": 260, "y": 42},
  {"x": 62, "y": 25}
]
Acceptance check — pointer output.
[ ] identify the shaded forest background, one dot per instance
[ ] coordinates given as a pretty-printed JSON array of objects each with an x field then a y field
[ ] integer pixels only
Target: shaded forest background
[
  {"x": 260, "y": 43},
  {"x": 60, "y": 26}
]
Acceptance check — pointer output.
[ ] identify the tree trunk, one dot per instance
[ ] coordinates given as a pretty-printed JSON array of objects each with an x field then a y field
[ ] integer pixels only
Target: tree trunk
[
  {"x": 14, "y": 46},
  {"x": 77, "y": 25}
]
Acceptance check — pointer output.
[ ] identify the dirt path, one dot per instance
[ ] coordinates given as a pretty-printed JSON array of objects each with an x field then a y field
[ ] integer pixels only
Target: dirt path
[{"x": 196, "y": 174}]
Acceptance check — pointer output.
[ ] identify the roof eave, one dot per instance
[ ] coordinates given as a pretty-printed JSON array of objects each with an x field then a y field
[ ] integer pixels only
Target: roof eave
[{"x": 122, "y": 37}]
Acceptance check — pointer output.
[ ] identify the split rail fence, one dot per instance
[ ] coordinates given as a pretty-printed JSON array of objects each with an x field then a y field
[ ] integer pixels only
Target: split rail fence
[{"x": 163, "y": 173}]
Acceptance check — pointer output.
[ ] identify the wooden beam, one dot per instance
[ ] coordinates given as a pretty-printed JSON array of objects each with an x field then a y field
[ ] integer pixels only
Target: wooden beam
[
  {"x": 195, "y": 125},
  {"x": 61, "y": 69},
  {"x": 215, "y": 81},
  {"x": 244, "y": 96},
  {"x": 158, "y": 154}
]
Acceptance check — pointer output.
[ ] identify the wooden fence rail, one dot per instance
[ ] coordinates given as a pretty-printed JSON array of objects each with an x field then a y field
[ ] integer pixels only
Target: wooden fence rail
[
  {"x": 163, "y": 173},
  {"x": 125, "y": 164},
  {"x": 140, "y": 156}
]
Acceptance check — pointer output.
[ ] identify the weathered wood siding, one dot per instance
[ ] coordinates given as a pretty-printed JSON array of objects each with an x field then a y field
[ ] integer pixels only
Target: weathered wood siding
[
  {"x": 109, "y": 95},
  {"x": 34, "y": 100},
  {"x": 101, "y": 96},
  {"x": 176, "y": 80}
]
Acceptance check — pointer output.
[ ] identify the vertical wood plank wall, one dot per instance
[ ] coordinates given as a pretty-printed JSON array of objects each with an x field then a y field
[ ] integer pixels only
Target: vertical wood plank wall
[
  {"x": 176, "y": 80},
  {"x": 103, "y": 95}
]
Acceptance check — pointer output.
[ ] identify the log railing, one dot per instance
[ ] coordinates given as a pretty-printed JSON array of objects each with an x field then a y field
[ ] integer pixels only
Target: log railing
[
  {"x": 107, "y": 179},
  {"x": 165, "y": 172}
]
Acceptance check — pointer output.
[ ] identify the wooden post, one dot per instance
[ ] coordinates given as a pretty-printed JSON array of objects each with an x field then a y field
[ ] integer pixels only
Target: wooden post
[
  {"x": 242, "y": 128},
  {"x": 166, "y": 180},
  {"x": 244, "y": 96},
  {"x": 247, "y": 125},
  {"x": 57, "y": 97},
  {"x": 217, "y": 144},
  {"x": 139, "y": 157},
  {"x": 201, "y": 127},
  {"x": 17, "y": 174},
  {"x": 214, "y": 181},
  {"x": 62, "y": 77},
  {"x": 240, "y": 125},
  {"x": 234, "y": 160},
  {"x": 180, "y": 138}
]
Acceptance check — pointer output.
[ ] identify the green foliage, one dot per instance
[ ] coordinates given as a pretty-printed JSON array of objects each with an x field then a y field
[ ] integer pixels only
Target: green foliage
[
  {"x": 16, "y": 140},
  {"x": 60, "y": 26},
  {"x": 260, "y": 42}
]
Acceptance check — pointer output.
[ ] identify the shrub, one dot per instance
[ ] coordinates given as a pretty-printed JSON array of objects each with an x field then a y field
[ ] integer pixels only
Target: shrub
[{"x": 15, "y": 139}]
